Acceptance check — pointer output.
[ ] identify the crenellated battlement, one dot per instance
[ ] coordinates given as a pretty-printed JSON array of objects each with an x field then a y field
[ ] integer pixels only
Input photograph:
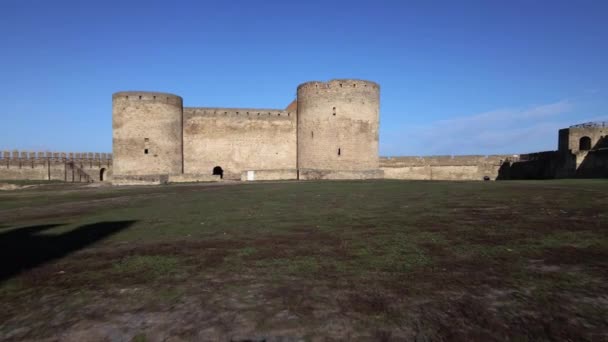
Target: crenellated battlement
[
  {"x": 64, "y": 166},
  {"x": 338, "y": 84},
  {"x": 593, "y": 124},
  {"x": 251, "y": 113},
  {"x": 62, "y": 156},
  {"x": 148, "y": 96}
]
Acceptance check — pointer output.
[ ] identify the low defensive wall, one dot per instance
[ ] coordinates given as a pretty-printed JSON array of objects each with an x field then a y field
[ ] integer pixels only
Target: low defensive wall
[
  {"x": 475, "y": 167},
  {"x": 68, "y": 167}
]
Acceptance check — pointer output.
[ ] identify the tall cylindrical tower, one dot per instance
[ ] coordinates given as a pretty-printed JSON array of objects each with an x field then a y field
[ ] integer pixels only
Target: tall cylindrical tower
[
  {"x": 147, "y": 133},
  {"x": 338, "y": 125}
]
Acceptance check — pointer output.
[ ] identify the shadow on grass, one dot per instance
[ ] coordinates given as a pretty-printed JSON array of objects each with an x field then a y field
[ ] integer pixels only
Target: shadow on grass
[{"x": 25, "y": 248}]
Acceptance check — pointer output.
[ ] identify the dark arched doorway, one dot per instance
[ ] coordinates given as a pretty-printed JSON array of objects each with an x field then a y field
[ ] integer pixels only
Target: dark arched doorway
[
  {"x": 585, "y": 144},
  {"x": 102, "y": 173},
  {"x": 218, "y": 171}
]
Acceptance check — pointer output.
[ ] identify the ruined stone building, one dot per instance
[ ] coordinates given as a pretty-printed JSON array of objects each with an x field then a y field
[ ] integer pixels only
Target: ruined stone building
[{"x": 582, "y": 153}]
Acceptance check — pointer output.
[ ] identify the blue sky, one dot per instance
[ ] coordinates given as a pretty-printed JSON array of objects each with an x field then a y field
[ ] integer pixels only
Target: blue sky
[{"x": 457, "y": 77}]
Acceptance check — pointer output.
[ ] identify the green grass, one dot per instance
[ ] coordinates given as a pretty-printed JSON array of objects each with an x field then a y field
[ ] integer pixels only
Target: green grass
[
  {"x": 364, "y": 248},
  {"x": 150, "y": 266}
]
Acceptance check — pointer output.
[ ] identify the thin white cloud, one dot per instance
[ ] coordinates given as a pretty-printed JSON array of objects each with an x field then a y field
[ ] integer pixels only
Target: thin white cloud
[
  {"x": 518, "y": 130},
  {"x": 508, "y": 115}
]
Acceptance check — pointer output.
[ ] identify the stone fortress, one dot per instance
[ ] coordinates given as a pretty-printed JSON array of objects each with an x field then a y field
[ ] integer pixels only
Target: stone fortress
[{"x": 329, "y": 132}]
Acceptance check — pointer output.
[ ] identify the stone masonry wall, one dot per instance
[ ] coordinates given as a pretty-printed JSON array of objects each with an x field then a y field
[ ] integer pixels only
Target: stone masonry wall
[
  {"x": 147, "y": 133},
  {"x": 445, "y": 167},
  {"x": 238, "y": 139},
  {"x": 338, "y": 123},
  {"x": 570, "y": 138},
  {"x": 69, "y": 167}
]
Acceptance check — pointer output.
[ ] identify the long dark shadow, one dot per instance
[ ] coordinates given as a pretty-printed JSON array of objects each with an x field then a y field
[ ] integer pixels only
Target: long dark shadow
[
  {"x": 25, "y": 248},
  {"x": 595, "y": 163}
]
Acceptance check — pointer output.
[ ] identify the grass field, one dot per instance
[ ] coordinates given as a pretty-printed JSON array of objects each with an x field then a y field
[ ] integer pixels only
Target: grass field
[{"x": 368, "y": 260}]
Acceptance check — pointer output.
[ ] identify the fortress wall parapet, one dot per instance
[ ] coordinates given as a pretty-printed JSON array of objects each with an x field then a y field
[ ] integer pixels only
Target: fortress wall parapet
[
  {"x": 17, "y": 155},
  {"x": 595, "y": 124},
  {"x": 335, "y": 85},
  {"x": 240, "y": 113},
  {"x": 64, "y": 166},
  {"x": 148, "y": 96}
]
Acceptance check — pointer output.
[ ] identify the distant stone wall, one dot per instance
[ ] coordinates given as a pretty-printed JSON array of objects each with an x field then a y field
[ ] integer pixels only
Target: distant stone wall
[
  {"x": 561, "y": 164},
  {"x": 475, "y": 167},
  {"x": 316, "y": 174},
  {"x": 539, "y": 165},
  {"x": 238, "y": 139},
  {"x": 69, "y": 167}
]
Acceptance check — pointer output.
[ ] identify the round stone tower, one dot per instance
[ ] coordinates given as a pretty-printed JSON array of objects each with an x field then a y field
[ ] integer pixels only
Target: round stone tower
[
  {"x": 338, "y": 125},
  {"x": 147, "y": 133}
]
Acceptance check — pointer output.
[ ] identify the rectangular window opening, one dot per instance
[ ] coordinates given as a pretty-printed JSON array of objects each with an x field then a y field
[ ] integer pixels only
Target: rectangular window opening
[
  {"x": 339, "y": 152},
  {"x": 146, "y": 151}
]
